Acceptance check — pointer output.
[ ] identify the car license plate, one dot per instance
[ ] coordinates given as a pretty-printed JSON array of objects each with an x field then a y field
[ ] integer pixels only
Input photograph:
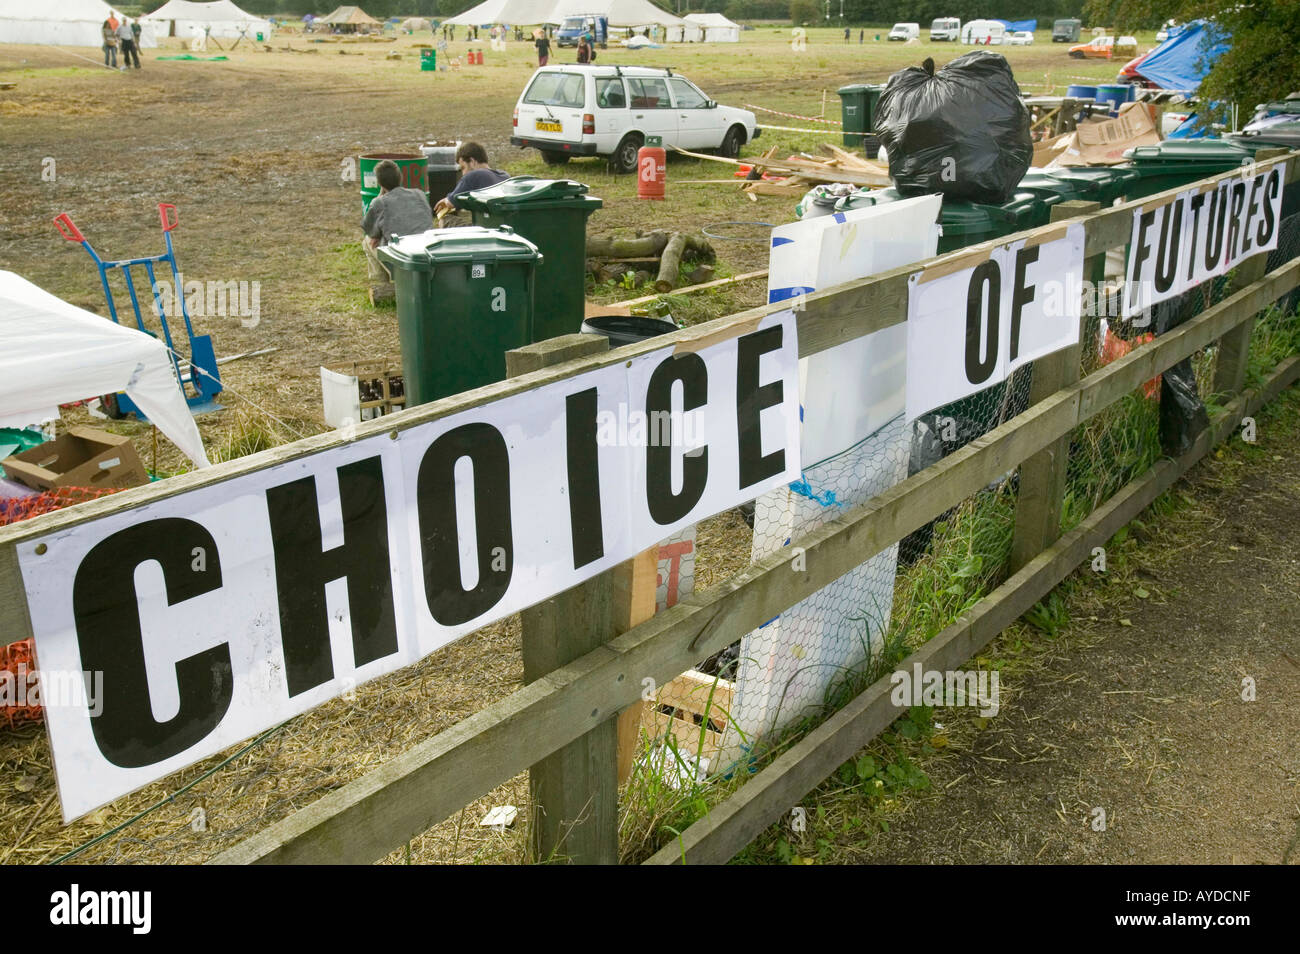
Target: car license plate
[{"x": 546, "y": 125}]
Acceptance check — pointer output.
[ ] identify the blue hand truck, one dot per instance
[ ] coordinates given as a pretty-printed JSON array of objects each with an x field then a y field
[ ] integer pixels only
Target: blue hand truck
[{"x": 200, "y": 379}]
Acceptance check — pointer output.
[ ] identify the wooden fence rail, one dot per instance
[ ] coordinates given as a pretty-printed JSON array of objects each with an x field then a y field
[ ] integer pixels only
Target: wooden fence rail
[{"x": 366, "y": 819}]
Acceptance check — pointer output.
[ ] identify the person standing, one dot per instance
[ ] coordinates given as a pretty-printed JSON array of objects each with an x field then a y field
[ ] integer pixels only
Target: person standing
[
  {"x": 584, "y": 50},
  {"x": 126, "y": 40},
  {"x": 109, "y": 31},
  {"x": 847, "y": 34},
  {"x": 543, "y": 48}
]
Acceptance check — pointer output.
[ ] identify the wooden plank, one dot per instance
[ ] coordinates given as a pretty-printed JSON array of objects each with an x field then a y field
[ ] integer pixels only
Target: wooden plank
[
  {"x": 832, "y": 317},
  {"x": 573, "y": 792},
  {"x": 635, "y": 583},
  {"x": 1041, "y": 491},
  {"x": 367, "y": 818},
  {"x": 1234, "y": 347},
  {"x": 765, "y": 799}
]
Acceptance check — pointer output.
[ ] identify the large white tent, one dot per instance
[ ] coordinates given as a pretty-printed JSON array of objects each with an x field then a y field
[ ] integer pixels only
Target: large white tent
[
  {"x": 60, "y": 23},
  {"x": 52, "y": 353},
  {"x": 716, "y": 27},
  {"x": 621, "y": 13},
  {"x": 220, "y": 18}
]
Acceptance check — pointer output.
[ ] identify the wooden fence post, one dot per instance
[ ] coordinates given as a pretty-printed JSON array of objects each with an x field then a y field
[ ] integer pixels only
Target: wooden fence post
[
  {"x": 1042, "y": 476},
  {"x": 573, "y": 792},
  {"x": 1234, "y": 347}
]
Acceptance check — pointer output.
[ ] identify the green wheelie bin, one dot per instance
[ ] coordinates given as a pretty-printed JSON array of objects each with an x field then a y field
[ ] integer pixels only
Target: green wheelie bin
[
  {"x": 552, "y": 214},
  {"x": 464, "y": 298},
  {"x": 1177, "y": 162},
  {"x": 858, "y": 112}
]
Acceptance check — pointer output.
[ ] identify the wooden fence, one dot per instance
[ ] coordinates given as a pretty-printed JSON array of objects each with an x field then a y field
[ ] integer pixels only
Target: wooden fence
[{"x": 368, "y": 818}]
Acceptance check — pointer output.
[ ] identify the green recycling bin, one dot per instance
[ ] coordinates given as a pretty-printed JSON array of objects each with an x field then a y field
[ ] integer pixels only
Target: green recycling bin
[
  {"x": 858, "y": 112},
  {"x": 968, "y": 223},
  {"x": 428, "y": 60},
  {"x": 1177, "y": 162},
  {"x": 552, "y": 214},
  {"x": 464, "y": 298}
]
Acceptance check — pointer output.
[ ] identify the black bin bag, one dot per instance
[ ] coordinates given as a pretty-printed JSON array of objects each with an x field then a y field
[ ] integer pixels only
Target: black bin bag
[
  {"x": 1182, "y": 413},
  {"x": 961, "y": 131}
]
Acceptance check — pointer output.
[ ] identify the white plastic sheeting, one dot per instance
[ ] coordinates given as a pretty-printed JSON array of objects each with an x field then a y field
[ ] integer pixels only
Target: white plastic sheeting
[{"x": 52, "y": 352}]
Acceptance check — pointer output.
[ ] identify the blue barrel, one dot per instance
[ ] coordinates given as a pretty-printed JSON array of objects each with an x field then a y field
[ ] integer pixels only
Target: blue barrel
[
  {"x": 1081, "y": 92},
  {"x": 1115, "y": 94}
]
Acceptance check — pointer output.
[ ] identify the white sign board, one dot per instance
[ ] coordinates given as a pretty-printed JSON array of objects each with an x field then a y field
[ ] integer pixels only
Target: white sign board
[
  {"x": 217, "y": 613},
  {"x": 975, "y": 319},
  {"x": 1199, "y": 234}
]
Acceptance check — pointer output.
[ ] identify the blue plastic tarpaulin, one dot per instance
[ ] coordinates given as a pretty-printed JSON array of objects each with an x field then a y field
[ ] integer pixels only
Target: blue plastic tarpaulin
[
  {"x": 1018, "y": 26},
  {"x": 1182, "y": 61}
]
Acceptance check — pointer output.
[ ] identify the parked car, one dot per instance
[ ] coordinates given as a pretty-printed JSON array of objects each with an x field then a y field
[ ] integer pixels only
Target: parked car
[
  {"x": 1020, "y": 38},
  {"x": 1104, "y": 47},
  {"x": 1066, "y": 31},
  {"x": 905, "y": 31},
  {"x": 594, "y": 110},
  {"x": 945, "y": 30}
]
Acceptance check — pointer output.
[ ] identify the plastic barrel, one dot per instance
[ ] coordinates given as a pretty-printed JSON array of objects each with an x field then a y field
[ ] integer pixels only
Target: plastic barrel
[
  {"x": 442, "y": 169},
  {"x": 626, "y": 329},
  {"x": 414, "y": 171},
  {"x": 1115, "y": 94},
  {"x": 1081, "y": 92}
]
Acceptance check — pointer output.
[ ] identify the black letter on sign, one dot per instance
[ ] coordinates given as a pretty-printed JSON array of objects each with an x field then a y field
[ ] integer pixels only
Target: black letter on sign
[
  {"x": 751, "y": 399},
  {"x": 435, "y": 488},
  {"x": 302, "y": 569},
  {"x": 978, "y": 370},
  {"x": 1171, "y": 235},
  {"x": 1264, "y": 234},
  {"x": 665, "y": 506},
  {"x": 1198, "y": 200},
  {"x": 1251, "y": 207},
  {"x": 1021, "y": 295},
  {"x": 1216, "y": 226},
  {"x": 584, "y": 478},
  {"x": 107, "y": 617},
  {"x": 1234, "y": 219},
  {"x": 1139, "y": 254}
]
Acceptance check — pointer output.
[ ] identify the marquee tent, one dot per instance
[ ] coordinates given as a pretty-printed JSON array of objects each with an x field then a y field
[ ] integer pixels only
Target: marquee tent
[
  {"x": 685, "y": 33},
  {"x": 52, "y": 353},
  {"x": 716, "y": 27},
  {"x": 60, "y": 23},
  {"x": 220, "y": 18},
  {"x": 621, "y": 13},
  {"x": 353, "y": 17}
]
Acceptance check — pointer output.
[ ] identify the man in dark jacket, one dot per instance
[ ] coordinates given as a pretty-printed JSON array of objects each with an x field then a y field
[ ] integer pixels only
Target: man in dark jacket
[{"x": 475, "y": 173}]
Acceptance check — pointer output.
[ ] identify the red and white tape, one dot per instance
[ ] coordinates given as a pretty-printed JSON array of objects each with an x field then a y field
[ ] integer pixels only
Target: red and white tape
[{"x": 810, "y": 119}]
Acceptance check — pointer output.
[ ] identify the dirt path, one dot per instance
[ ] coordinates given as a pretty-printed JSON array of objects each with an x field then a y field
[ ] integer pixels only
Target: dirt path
[{"x": 1138, "y": 708}]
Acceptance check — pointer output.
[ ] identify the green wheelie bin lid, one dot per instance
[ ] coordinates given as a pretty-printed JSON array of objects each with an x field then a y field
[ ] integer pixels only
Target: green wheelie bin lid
[
  {"x": 526, "y": 193},
  {"x": 969, "y": 223},
  {"x": 424, "y": 251},
  {"x": 1176, "y": 162},
  {"x": 1105, "y": 184}
]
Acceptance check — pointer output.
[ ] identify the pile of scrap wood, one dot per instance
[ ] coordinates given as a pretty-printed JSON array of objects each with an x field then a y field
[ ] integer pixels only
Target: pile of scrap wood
[
  {"x": 648, "y": 256},
  {"x": 795, "y": 175}
]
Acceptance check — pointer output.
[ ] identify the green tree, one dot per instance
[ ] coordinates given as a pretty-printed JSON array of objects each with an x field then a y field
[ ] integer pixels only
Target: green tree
[
  {"x": 805, "y": 12},
  {"x": 1263, "y": 62}
]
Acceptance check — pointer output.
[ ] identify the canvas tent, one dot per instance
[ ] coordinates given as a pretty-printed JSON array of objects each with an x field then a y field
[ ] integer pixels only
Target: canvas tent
[
  {"x": 621, "y": 13},
  {"x": 353, "y": 19},
  {"x": 685, "y": 33},
  {"x": 220, "y": 18},
  {"x": 52, "y": 353},
  {"x": 716, "y": 27},
  {"x": 59, "y": 23},
  {"x": 1182, "y": 61}
]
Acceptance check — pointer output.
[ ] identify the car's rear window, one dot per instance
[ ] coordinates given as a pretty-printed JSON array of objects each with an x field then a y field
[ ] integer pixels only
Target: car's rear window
[
  {"x": 609, "y": 93},
  {"x": 557, "y": 89}
]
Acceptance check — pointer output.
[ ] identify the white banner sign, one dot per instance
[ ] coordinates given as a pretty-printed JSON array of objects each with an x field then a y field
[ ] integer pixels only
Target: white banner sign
[
  {"x": 206, "y": 617},
  {"x": 972, "y": 321},
  {"x": 1199, "y": 234}
]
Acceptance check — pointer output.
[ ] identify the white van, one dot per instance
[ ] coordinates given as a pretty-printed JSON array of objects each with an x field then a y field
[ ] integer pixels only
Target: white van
[
  {"x": 945, "y": 30},
  {"x": 590, "y": 110},
  {"x": 905, "y": 31}
]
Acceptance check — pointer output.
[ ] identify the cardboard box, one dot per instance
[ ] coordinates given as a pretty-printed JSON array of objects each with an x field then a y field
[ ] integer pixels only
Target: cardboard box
[{"x": 80, "y": 457}]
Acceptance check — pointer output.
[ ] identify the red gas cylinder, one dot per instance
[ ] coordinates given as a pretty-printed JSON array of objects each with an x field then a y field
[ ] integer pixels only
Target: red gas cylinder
[{"x": 651, "y": 169}]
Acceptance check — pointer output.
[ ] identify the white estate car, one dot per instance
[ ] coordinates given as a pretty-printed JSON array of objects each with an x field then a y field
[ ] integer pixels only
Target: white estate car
[
  {"x": 1020, "y": 38},
  {"x": 599, "y": 110}
]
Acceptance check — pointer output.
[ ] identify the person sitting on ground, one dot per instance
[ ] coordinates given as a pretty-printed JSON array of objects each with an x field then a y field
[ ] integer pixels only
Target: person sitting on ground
[
  {"x": 475, "y": 173},
  {"x": 395, "y": 211}
]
